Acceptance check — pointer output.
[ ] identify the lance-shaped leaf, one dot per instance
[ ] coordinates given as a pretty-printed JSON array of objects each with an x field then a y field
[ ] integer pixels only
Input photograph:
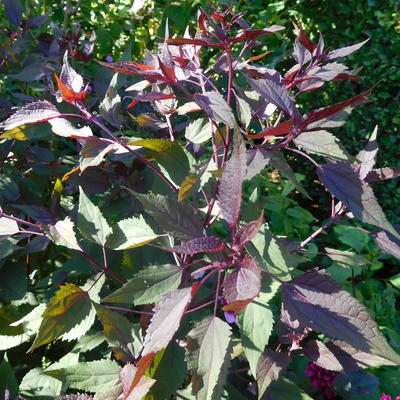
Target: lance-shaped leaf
[
  {"x": 208, "y": 357},
  {"x": 346, "y": 259},
  {"x": 345, "y": 51},
  {"x": 62, "y": 234},
  {"x": 215, "y": 106},
  {"x": 198, "y": 131},
  {"x": 118, "y": 333},
  {"x": 269, "y": 368},
  {"x": 254, "y": 34},
  {"x": 8, "y": 227},
  {"x": 147, "y": 286},
  {"x": 322, "y": 143},
  {"x": 169, "y": 370},
  {"x": 93, "y": 152},
  {"x": 129, "y": 233},
  {"x": 242, "y": 285},
  {"x": 13, "y": 11},
  {"x": 69, "y": 308},
  {"x": 205, "y": 42},
  {"x": 280, "y": 129},
  {"x": 367, "y": 156},
  {"x": 127, "y": 376},
  {"x": 230, "y": 184},
  {"x": 320, "y": 118},
  {"x": 92, "y": 376},
  {"x": 62, "y": 127},
  {"x": 247, "y": 232},
  {"x": 276, "y": 94},
  {"x": 381, "y": 174},
  {"x": 256, "y": 323},
  {"x": 110, "y": 107},
  {"x": 343, "y": 182},
  {"x": 352, "y": 359},
  {"x": 319, "y": 354},
  {"x": 199, "y": 245},
  {"x": 165, "y": 322},
  {"x": 173, "y": 158},
  {"x": 91, "y": 222},
  {"x": 188, "y": 185},
  {"x": 387, "y": 242},
  {"x": 38, "y": 111},
  {"x": 318, "y": 302},
  {"x": 175, "y": 217}
]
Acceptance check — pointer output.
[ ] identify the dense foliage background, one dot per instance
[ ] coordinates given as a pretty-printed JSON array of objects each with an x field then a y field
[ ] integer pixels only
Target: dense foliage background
[{"x": 124, "y": 30}]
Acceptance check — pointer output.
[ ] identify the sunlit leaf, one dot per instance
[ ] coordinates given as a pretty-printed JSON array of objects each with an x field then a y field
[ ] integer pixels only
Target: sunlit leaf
[
  {"x": 147, "y": 286},
  {"x": 140, "y": 389},
  {"x": 62, "y": 233},
  {"x": 8, "y": 226},
  {"x": 37, "y": 111},
  {"x": 15, "y": 133},
  {"x": 208, "y": 357},
  {"x": 165, "y": 321},
  {"x": 91, "y": 222}
]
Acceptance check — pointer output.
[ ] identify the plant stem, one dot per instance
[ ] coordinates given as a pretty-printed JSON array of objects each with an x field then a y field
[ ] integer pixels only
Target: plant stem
[
  {"x": 217, "y": 292},
  {"x": 135, "y": 153},
  {"x": 199, "y": 307},
  {"x": 129, "y": 310},
  {"x": 21, "y": 221},
  {"x": 304, "y": 155}
]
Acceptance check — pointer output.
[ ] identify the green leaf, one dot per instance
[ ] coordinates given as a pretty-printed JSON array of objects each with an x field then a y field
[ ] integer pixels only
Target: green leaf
[
  {"x": 175, "y": 160},
  {"x": 165, "y": 322},
  {"x": 269, "y": 254},
  {"x": 208, "y": 357},
  {"x": 269, "y": 368},
  {"x": 70, "y": 308},
  {"x": 170, "y": 373},
  {"x": 198, "y": 131},
  {"x": 284, "y": 389},
  {"x": 147, "y": 286},
  {"x": 129, "y": 233},
  {"x": 38, "y": 385},
  {"x": 174, "y": 217},
  {"x": 62, "y": 233},
  {"x": 91, "y": 222},
  {"x": 256, "y": 322},
  {"x": 92, "y": 376},
  {"x": 118, "y": 333},
  {"x": 346, "y": 259},
  {"x": 322, "y": 143},
  {"x": 8, "y": 380}
]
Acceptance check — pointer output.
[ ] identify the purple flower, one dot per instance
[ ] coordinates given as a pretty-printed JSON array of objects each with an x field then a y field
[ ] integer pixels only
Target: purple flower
[
  {"x": 322, "y": 378},
  {"x": 108, "y": 59},
  {"x": 230, "y": 316}
]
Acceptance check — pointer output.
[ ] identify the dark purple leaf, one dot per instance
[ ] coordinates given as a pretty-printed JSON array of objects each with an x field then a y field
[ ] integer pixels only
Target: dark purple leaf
[
  {"x": 352, "y": 359},
  {"x": 32, "y": 72},
  {"x": 344, "y": 183},
  {"x": 256, "y": 162},
  {"x": 269, "y": 368},
  {"x": 230, "y": 184},
  {"x": 357, "y": 384},
  {"x": 248, "y": 231},
  {"x": 13, "y": 11},
  {"x": 381, "y": 174},
  {"x": 165, "y": 321},
  {"x": 318, "y": 301},
  {"x": 199, "y": 245},
  {"x": 255, "y": 34},
  {"x": 37, "y": 21},
  {"x": 387, "y": 242},
  {"x": 152, "y": 96},
  {"x": 280, "y": 129},
  {"x": 242, "y": 285},
  {"x": 39, "y": 214},
  {"x": 345, "y": 51},
  {"x": 38, "y": 111},
  {"x": 319, "y": 118},
  {"x": 319, "y": 354},
  {"x": 37, "y": 244},
  {"x": 175, "y": 217},
  {"x": 277, "y": 95},
  {"x": 367, "y": 157},
  {"x": 215, "y": 106}
]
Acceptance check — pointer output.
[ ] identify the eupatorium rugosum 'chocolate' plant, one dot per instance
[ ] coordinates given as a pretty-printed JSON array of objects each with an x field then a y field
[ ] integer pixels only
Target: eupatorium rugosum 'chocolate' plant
[{"x": 211, "y": 129}]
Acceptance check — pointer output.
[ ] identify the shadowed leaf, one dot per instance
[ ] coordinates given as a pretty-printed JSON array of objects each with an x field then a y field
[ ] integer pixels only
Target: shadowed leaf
[
  {"x": 319, "y": 354},
  {"x": 247, "y": 232},
  {"x": 199, "y": 245},
  {"x": 387, "y": 242}
]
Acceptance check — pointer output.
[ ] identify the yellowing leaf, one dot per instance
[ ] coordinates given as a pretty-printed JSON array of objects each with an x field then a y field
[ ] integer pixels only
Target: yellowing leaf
[
  {"x": 187, "y": 185},
  {"x": 259, "y": 56},
  {"x": 141, "y": 120},
  {"x": 58, "y": 186},
  {"x": 15, "y": 133},
  {"x": 69, "y": 307},
  {"x": 69, "y": 173}
]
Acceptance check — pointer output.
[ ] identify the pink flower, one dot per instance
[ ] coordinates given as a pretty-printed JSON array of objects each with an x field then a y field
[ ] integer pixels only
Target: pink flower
[
  {"x": 322, "y": 378},
  {"x": 387, "y": 397}
]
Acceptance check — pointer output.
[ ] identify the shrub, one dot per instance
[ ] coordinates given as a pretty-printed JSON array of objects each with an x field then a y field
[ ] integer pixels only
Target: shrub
[{"x": 150, "y": 228}]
